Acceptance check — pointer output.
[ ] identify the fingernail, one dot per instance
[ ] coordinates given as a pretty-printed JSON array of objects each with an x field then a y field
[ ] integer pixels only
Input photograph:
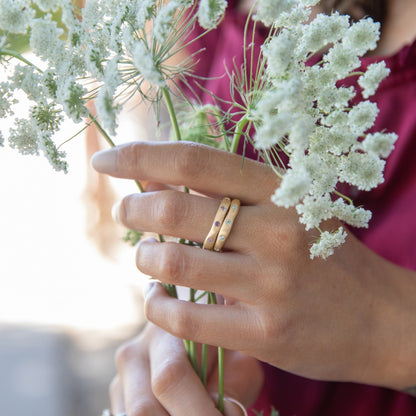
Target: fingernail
[
  {"x": 233, "y": 407},
  {"x": 149, "y": 287},
  {"x": 115, "y": 212},
  {"x": 104, "y": 161}
]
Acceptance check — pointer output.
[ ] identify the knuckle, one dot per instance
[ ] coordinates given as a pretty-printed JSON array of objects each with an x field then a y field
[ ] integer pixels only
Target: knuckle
[
  {"x": 128, "y": 158},
  {"x": 125, "y": 353},
  {"x": 171, "y": 264},
  {"x": 170, "y": 209},
  {"x": 125, "y": 210},
  {"x": 182, "y": 325},
  {"x": 191, "y": 160},
  {"x": 168, "y": 376}
]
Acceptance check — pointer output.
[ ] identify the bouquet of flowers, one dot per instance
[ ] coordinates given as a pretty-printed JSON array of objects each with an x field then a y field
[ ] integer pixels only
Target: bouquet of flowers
[{"x": 292, "y": 104}]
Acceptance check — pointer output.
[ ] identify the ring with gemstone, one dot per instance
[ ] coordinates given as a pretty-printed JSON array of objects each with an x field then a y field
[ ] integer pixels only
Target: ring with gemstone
[
  {"x": 227, "y": 225},
  {"x": 216, "y": 225}
]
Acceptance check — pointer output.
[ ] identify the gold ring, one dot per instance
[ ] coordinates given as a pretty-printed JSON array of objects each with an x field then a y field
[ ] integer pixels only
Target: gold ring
[
  {"x": 216, "y": 225},
  {"x": 227, "y": 225}
]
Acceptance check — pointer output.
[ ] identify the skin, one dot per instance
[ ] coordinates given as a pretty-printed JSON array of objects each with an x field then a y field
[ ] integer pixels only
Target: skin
[{"x": 349, "y": 318}]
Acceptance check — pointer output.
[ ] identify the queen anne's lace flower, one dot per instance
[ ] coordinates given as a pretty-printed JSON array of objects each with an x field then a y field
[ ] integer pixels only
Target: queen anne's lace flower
[
  {"x": 372, "y": 77},
  {"x": 143, "y": 61},
  {"x": 16, "y": 15},
  {"x": 210, "y": 12},
  {"x": 324, "y": 247}
]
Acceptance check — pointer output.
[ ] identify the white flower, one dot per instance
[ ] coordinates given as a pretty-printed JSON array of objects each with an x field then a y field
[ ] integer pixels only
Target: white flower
[
  {"x": 365, "y": 171},
  {"x": 381, "y": 144},
  {"x": 1, "y": 139},
  {"x": 356, "y": 217},
  {"x": 145, "y": 11},
  {"x": 342, "y": 60},
  {"x": 107, "y": 111},
  {"x": 28, "y": 80},
  {"x": 273, "y": 129},
  {"x": 163, "y": 23},
  {"x": 54, "y": 156},
  {"x": 44, "y": 37},
  {"x": 314, "y": 210},
  {"x": 279, "y": 53},
  {"x": 6, "y": 99},
  {"x": 143, "y": 60},
  {"x": 268, "y": 11},
  {"x": 324, "y": 247},
  {"x": 294, "y": 186},
  {"x": 362, "y": 36},
  {"x": 210, "y": 12},
  {"x": 323, "y": 30},
  {"x": 24, "y": 137},
  {"x": 71, "y": 96},
  {"x": 15, "y": 15},
  {"x": 362, "y": 117},
  {"x": 371, "y": 79}
]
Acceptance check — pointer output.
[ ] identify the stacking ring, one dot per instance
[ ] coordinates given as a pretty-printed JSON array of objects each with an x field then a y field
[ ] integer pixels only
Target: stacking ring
[
  {"x": 216, "y": 225},
  {"x": 223, "y": 222},
  {"x": 226, "y": 226}
]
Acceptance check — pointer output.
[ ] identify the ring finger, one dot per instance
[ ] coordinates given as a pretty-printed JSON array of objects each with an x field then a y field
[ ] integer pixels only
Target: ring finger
[{"x": 186, "y": 216}]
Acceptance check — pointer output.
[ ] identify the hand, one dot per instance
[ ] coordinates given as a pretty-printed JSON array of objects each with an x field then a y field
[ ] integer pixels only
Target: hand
[
  {"x": 347, "y": 318},
  {"x": 155, "y": 378}
]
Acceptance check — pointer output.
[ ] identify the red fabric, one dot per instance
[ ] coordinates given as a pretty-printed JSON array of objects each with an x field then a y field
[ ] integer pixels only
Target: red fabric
[{"x": 391, "y": 233}]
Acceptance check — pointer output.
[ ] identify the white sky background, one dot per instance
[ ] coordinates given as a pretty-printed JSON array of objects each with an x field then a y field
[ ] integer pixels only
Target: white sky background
[{"x": 50, "y": 272}]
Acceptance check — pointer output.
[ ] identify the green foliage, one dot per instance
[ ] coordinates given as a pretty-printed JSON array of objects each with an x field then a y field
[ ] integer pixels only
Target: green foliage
[{"x": 132, "y": 237}]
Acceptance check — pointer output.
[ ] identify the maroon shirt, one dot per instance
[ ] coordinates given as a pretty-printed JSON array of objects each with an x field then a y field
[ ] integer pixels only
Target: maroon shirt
[{"x": 392, "y": 230}]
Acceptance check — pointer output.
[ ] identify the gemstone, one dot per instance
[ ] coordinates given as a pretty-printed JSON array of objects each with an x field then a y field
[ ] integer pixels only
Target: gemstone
[
  {"x": 222, "y": 238},
  {"x": 210, "y": 240},
  {"x": 228, "y": 222},
  {"x": 217, "y": 223},
  {"x": 223, "y": 207},
  {"x": 235, "y": 206}
]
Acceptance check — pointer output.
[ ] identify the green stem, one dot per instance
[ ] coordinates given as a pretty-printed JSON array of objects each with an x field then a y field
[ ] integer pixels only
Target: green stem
[
  {"x": 242, "y": 123},
  {"x": 172, "y": 114},
  {"x": 20, "y": 57},
  {"x": 221, "y": 379},
  {"x": 204, "y": 364}
]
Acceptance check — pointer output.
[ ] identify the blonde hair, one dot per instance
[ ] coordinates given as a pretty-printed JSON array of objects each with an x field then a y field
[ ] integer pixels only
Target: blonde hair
[{"x": 376, "y": 9}]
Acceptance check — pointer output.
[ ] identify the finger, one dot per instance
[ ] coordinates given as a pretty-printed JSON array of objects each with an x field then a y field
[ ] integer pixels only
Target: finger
[
  {"x": 199, "y": 167},
  {"x": 181, "y": 265},
  {"x": 174, "y": 381},
  {"x": 135, "y": 378},
  {"x": 116, "y": 396},
  {"x": 187, "y": 216},
  {"x": 207, "y": 324}
]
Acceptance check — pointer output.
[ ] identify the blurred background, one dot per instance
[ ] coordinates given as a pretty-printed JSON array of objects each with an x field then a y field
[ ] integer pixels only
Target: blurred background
[{"x": 69, "y": 289}]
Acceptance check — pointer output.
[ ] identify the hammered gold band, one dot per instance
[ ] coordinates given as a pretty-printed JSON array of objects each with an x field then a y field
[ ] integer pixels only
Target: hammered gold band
[
  {"x": 227, "y": 225},
  {"x": 222, "y": 224}
]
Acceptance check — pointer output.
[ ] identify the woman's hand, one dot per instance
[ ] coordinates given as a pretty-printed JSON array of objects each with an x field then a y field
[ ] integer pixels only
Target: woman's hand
[
  {"x": 155, "y": 377},
  {"x": 348, "y": 318}
]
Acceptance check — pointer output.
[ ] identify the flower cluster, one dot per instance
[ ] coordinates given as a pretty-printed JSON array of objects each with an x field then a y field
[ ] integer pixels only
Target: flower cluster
[
  {"x": 107, "y": 51},
  {"x": 303, "y": 113},
  {"x": 306, "y": 112}
]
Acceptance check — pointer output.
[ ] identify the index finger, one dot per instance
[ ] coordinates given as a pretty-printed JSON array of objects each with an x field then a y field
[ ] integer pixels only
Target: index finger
[{"x": 199, "y": 167}]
